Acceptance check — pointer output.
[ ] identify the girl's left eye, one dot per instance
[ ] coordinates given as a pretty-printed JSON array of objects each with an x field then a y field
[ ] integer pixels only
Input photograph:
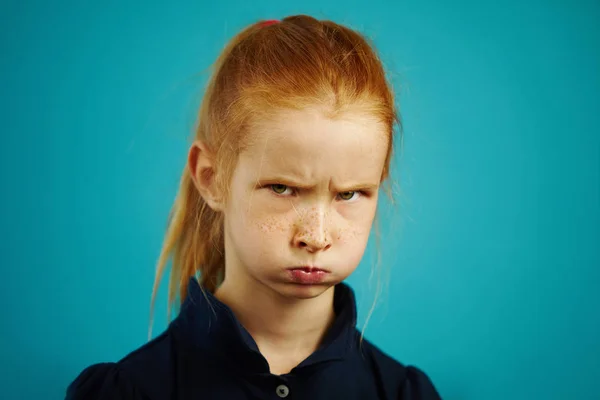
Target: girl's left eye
[{"x": 347, "y": 196}]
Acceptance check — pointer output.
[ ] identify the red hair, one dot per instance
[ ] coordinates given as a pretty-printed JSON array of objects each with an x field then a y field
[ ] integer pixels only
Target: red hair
[{"x": 269, "y": 22}]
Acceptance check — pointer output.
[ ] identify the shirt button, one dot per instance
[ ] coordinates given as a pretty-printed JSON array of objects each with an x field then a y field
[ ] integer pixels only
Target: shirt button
[{"x": 282, "y": 391}]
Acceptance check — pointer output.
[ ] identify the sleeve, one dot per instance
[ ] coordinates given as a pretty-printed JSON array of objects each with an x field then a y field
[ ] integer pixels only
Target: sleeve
[
  {"x": 103, "y": 382},
  {"x": 418, "y": 386}
]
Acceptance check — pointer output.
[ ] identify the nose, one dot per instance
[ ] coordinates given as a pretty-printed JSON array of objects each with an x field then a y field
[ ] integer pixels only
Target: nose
[{"x": 313, "y": 232}]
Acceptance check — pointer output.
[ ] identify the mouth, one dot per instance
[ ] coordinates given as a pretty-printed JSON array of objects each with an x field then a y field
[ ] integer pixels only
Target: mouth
[
  {"x": 308, "y": 269},
  {"x": 308, "y": 275}
]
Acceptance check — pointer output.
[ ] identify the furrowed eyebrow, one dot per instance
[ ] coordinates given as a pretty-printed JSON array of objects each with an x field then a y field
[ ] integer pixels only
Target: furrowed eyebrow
[
  {"x": 354, "y": 187},
  {"x": 360, "y": 186},
  {"x": 280, "y": 180}
]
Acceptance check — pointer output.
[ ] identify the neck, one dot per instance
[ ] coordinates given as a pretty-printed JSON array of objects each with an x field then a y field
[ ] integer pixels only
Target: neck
[{"x": 285, "y": 330}]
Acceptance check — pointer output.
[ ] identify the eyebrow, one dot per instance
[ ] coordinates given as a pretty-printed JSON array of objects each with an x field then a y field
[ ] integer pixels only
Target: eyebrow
[{"x": 287, "y": 181}]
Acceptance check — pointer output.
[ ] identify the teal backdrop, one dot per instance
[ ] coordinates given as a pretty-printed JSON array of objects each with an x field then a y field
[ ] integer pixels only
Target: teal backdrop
[{"x": 490, "y": 258}]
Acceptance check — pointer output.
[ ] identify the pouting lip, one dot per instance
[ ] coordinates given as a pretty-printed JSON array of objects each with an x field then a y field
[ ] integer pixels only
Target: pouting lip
[{"x": 309, "y": 268}]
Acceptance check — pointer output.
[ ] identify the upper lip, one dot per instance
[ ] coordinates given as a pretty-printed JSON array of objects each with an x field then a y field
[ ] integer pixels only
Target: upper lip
[{"x": 309, "y": 268}]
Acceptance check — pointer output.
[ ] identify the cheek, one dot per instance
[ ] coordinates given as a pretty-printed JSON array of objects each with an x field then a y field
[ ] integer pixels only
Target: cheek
[
  {"x": 356, "y": 229},
  {"x": 270, "y": 225},
  {"x": 252, "y": 214},
  {"x": 263, "y": 219},
  {"x": 351, "y": 234}
]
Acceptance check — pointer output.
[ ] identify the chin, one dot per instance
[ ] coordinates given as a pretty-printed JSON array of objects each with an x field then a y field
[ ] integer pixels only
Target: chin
[{"x": 297, "y": 291}]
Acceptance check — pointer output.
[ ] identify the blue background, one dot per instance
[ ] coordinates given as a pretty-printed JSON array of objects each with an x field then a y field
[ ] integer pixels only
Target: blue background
[{"x": 491, "y": 260}]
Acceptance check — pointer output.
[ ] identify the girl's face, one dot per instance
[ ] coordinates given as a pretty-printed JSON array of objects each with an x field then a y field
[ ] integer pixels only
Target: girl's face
[{"x": 303, "y": 194}]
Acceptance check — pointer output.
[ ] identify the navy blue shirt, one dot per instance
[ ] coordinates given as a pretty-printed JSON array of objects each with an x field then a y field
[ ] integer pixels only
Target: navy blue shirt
[{"x": 206, "y": 354}]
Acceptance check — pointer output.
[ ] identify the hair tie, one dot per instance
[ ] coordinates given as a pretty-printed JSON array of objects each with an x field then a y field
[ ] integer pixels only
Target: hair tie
[{"x": 269, "y": 22}]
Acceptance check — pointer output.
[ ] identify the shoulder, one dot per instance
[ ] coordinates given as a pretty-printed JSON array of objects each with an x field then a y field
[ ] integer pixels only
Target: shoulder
[
  {"x": 143, "y": 374},
  {"x": 103, "y": 381},
  {"x": 397, "y": 380}
]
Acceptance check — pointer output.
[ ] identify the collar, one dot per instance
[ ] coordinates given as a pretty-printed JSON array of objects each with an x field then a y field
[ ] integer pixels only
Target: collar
[{"x": 207, "y": 324}]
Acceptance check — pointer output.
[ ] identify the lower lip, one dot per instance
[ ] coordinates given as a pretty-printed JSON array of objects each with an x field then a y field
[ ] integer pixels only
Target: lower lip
[{"x": 305, "y": 277}]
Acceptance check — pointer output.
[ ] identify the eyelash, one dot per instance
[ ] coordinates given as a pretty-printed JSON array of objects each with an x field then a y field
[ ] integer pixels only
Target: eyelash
[{"x": 270, "y": 187}]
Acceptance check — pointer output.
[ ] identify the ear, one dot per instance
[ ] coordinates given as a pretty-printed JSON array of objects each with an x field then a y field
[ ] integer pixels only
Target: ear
[{"x": 201, "y": 166}]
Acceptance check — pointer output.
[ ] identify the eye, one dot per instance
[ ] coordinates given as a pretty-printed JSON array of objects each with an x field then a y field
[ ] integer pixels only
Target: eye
[
  {"x": 347, "y": 196},
  {"x": 278, "y": 188}
]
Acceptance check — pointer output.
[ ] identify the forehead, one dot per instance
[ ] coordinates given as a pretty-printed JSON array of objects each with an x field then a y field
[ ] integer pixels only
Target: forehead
[{"x": 311, "y": 146}]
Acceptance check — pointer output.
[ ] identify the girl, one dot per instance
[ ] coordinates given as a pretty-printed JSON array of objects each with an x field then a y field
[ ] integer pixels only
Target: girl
[{"x": 275, "y": 208}]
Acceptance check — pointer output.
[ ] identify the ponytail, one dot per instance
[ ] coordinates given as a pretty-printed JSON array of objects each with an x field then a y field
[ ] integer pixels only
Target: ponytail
[{"x": 194, "y": 241}]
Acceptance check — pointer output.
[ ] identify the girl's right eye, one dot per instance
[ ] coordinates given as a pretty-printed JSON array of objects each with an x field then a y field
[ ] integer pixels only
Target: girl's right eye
[{"x": 279, "y": 189}]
